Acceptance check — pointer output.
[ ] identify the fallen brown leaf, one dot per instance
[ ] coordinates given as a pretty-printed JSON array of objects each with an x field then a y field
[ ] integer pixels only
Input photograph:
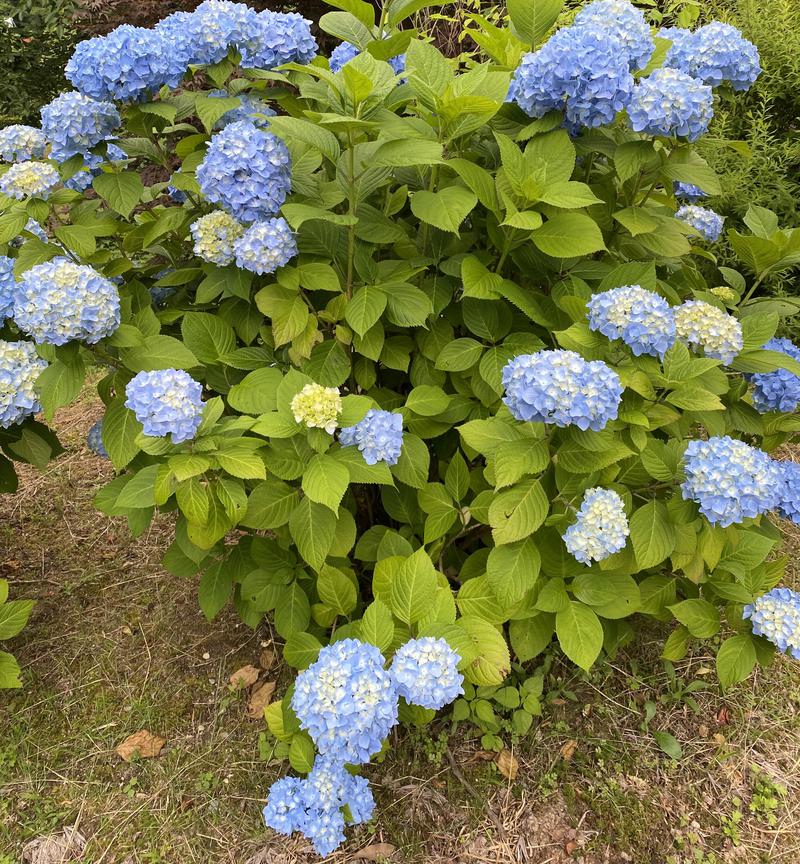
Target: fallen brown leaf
[
  {"x": 143, "y": 742},
  {"x": 267, "y": 658},
  {"x": 568, "y": 749},
  {"x": 571, "y": 846},
  {"x": 723, "y": 716},
  {"x": 244, "y": 677},
  {"x": 507, "y": 764},
  {"x": 259, "y": 699},
  {"x": 67, "y": 845},
  {"x": 376, "y": 852}
]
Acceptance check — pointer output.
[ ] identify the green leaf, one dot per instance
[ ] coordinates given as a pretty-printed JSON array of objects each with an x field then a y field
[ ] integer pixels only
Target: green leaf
[
  {"x": 325, "y": 481},
  {"x": 313, "y": 527},
  {"x": 580, "y": 634},
  {"x": 211, "y": 108},
  {"x": 9, "y": 672},
  {"x": 216, "y": 585},
  {"x": 257, "y": 392},
  {"x": 513, "y": 570},
  {"x": 429, "y": 73},
  {"x": 569, "y": 235},
  {"x": 445, "y": 209},
  {"x": 377, "y": 625},
  {"x": 336, "y": 591},
  {"x": 736, "y": 659},
  {"x": 59, "y": 384},
  {"x": 427, "y": 400},
  {"x": 699, "y": 617},
  {"x": 241, "y": 462},
  {"x": 459, "y": 355},
  {"x": 488, "y": 663},
  {"x": 77, "y": 239},
  {"x": 348, "y": 28},
  {"x": 194, "y": 500},
  {"x": 652, "y": 534},
  {"x": 517, "y": 513},
  {"x": 292, "y": 611},
  {"x": 120, "y": 431},
  {"x": 207, "y": 336},
  {"x": 122, "y": 190},
  {"x": 14, "y": 616},
  {"x": 365, "y": 308},
  {"x": 530, "y": 636},
  {"x": 159, "y": 352},
  {"x": 532, "y": 19},
  {"x": 139, "y": 491},
  {"x": 294, "y": 129},
  {"x": 668, "y": 743},
  {"x": 414, "y": 588},
  {"x": 414, "y": 463},
  {"x": 301, "y": 753},
  {"x": 301, "y": 650},
  {"x": 270, "y": 504}
]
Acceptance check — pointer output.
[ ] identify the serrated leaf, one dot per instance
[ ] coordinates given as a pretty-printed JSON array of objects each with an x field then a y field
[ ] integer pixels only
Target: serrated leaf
[
  {"x": 414, "y": 588},
  {"x": 580, "y": 634},
  {"x": 325, "y": 481}
]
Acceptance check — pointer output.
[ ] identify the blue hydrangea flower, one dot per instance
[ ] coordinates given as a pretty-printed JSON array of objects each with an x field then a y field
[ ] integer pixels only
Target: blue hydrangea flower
[
  {"x": 265, "y": 246},
  {"x": 115, "y": 153},
  {"x": 688, "y": 191},
  {"x": 702, "y": 325},
  {"x": 178, "y": 30},
  {"x": 20, "y": 143},
  {"x": 580, "y": 70},
  {"x": 159, "y": 294},
  {"x": 94, "y": 440},
  {"x": 776, "y": 616},
  {"x": 8, "y": 286},
  {"x": 81, "y": 180},
  {"x": 218, "y": 25},
  {"x": 285, "y": 811},
  {"x": 346, "y": 701},
  {"x": 680, "y": 52},
  {"x": 251, "y": 108},
  {"x": 74, "y": 123},
  {"x": 379, "y": 436},
  {"x": 32, "y": 227},
  {"x": 167, "y": 401},
  {"x": 623, "y": 22},
  {"x": 789, "y": 507},
  {"x": 601, "y": 528},
  {"x": 344, "y": 52},
  {"x": 717, "y": 54},
  {"x": 706, "y": 221},
  {"x": 247, "y": 171},
  {"x": 360, "y": 800},
  {"x": 214, "y": 235},
  {"x": 20, "y": 367},
  {"x": 29, "y": 180},
  {"x": 60, "y": 301},
  {"x": 778, "y": 390},
  {"x": 426, "y": 673},
  {"x": 670, "y": 102},
  {"x": 730, "y": 480},
  {"x": 282, "y": 37},
  {"x": 562, "y": 388},
  {"x": 124, "y": 65},
  {"x": 641, "y": 318},
  {"x": 325, "y": 830}
]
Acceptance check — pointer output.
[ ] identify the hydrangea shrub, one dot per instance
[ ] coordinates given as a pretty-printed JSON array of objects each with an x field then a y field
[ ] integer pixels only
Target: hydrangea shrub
[{"x": 430, "y": 358}]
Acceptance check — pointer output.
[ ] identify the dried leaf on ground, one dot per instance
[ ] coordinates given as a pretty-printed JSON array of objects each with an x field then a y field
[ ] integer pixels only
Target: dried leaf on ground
[
  {"x": 259, "y": 700},
  {"x": 266, "y": 659},
  {"x": 142, "y": 743},
  {"x": 244, "y": 677},
  {"x": 375, "y": 852},
  {"x": 507, "y": 763},
  {"x": 568, "y": 749},
  {"x": 66, "y": 845}
]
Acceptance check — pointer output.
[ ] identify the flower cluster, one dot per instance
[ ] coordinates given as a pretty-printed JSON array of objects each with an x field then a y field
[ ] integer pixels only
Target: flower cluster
[
  {"x": 688, "y": 191},
  {"x": 778, "y": 390},
  {"x": 32, "y": 227},
  {"x": 247, "y": 171},
  {"x": 167, "y": 401},
  {"x": 346, "y": 701},
  {"x": 124, "y": 65},
  {"x": 94, "y": 440},
  {"x": 265, "y": 246},
  {"x": 776, "y": 617},
  {"x": 622, "y": 21},
  {"x": 284, "y": 37},
  {"x": 670, "y": 102},
  {"x": 60, "y": 301},
  {"x": 426, "y": 673},
  {"x": 7, "y": 287},
  {"x": 20, "y": 143},
  {"x": 20, "y": 366},
  {"x": 214, "y": 235},
  {"x": 379, "y": 436},
  {"x": 705, "y": 221},
  {"x": 583, "y": 71},
  {"x": 730, "y": 480},
  {"x": 250, "y": 108},
  {"x": 725, "y": 293},
  {"x": 704, "y": 326},
  {"x": 74, "y": 123},
  {"x": 317, "y": 407},
  {"x": 29, "y": 179},
  {"x": 601, "y": 528},
  {"x": 562, "y": 388},
  {"x": 715, "y": 54},
  {"x": 344, "y": 52},
  {"x": 82, "y": 178},
  {"x": 641, "y": 318},
  {"x": 789, "y": 506}
]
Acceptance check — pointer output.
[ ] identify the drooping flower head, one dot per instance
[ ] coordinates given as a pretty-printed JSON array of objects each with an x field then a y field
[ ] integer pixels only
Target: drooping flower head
[
  {"x": 379, "y": 436},
  {"x": 166, "y": 402},
  {"x": 214, "y": 235},
  {"x": 776, "y": 616},
  {"x": 688, "y": 192},
  {"x": 247, "y": 171},
  {"x": 730, "y": 480},
  {"x": 344, "y": 52},
  {"x": 29, "y": 180},
  {"x": 642, "y": 319},
  {"x": 125, "y": 65},
  {"x": 94, "y": 440},
  {"x": 20, "y": 367},
  {"x": 582, "y": 71},
  {"x": 74, "y": 123},
  {"x": 624, "y": 22},
  {"x": 706, "y": 221},
  {"x": 601, "y": 528},
  {"x": 562, "y": 388},
  {"x": 60, "y": 301},
  {"x": 778, "y": 390},
  {"x": 20, "y": 143},
  {"x": 265, "y": 246},
  {"x": 702, "y": 325},
  {"x": 346, "y": 701},
  {"x": 717, "y": 53},
  {"x": 426, "y": 672},
  {"x": 670, "y": 102},
  {"x": 7, "y": 287},
  {"x": 789, "y": 506},
  {"x": 317, "y": 407}
]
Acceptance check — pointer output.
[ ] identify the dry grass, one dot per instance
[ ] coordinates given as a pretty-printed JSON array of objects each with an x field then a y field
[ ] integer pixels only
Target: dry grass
[{"x": 117, "y": 645}]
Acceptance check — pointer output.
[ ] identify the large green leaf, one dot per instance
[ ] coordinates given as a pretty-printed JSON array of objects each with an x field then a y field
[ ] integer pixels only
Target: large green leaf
[
  {"x": 445, "y": 209},
  {"x": 122, "y": 190},
  {"x": 313, "y": 527},
  {"x": 517, "y": 513},
  {"x": 735, "y": 659},
  {"x": 414, "y": 588},
  {"x": 580, "y": 634},
  {"x": 325, "y": 481},
  {"x": 532, "y": 19},
  {"x": 652, "y": 534},
  {"x": 569, "y": 235}
]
